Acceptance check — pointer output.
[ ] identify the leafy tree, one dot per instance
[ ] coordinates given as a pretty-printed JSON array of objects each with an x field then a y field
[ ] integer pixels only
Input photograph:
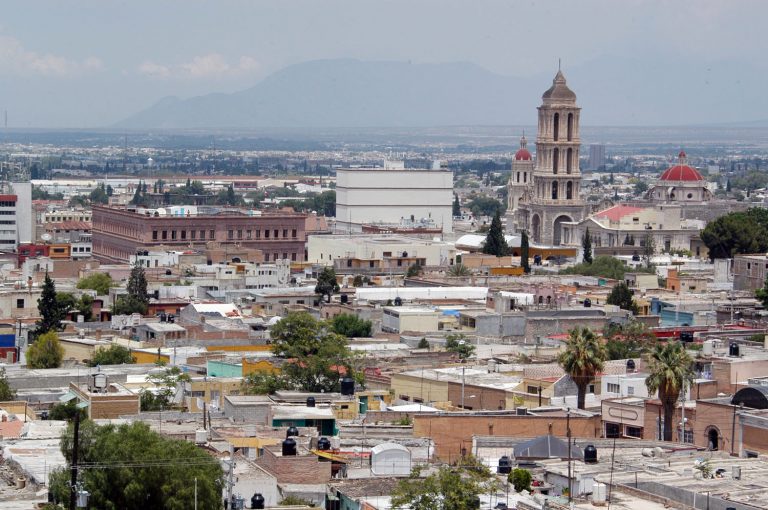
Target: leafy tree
[
  {"x": 520, "y": 479},
  {"x": 317, "y": 356},
  {"x": 170, "y": 473},
  {"x": 100, "y": 282},
  {"x": 46, "y": 351},
  {"x": 423, "y": 344},
  {"x": 456, "y": 205},
  {"x": 113, "y": 355},
  {"x": 7, "y": 393},
  {"x": 485, "y": 206},
  {"x": 459, "y": 269},
  {"x": 460, "y": 345},
  {"x": 640, "y": 188},
  {"x": 296, "y": 501},
  {"x": 228, "y": 196},
  {"x": 762, "y": 294},
  {"x": 109, "y": 190},
  {"x": 413, "y": 270},
  {"x": 586, "y": 246},
  {"x": 495, "y": 243},
  {"x": 621, "y": 296},
  {"x": 603, "y": 266},
  {"x": 84, "y": 307},
  {"x": 264, "y": 383},
  {"x": 450, "y": 488},
  {"x": 736, "y": 233},
  {"x": 670, "y": 369},
  {"x": 630, "y": 340},
  {"x": 166, "y": 384},
  {"x": 351, "y": 326},
  {"x": 99, "y": 195},
  {"x": 66, "y": 411},
  {"x": 524, "y": 262},
  {"x": 326, "y": 283},
  {"x": 649, "y": 249},
  {"x": 582, "y": 358},
  {"x": 50, "y": 308}
]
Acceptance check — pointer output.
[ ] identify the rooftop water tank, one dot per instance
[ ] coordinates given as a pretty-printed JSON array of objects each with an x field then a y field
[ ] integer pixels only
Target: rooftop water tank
[
  {"x": 201, "y": 436},
  {"x": 590, "y": 454},
  {"x": 348, "y": 386},
  {"x": 505, "y": 465},
  {"x": 323, "y": 444},
  {"x": 631, "y": 365},
  {"x": 310, "y": 401},
  {"x": 292, "y": 432},
  {"x": 289, "y": 447},
  {"x": 733, "y": 350},
  {"x": 257, "y": 501},
  {"x": 587, "y": 303},
  {"x": 708, "y": 348}
]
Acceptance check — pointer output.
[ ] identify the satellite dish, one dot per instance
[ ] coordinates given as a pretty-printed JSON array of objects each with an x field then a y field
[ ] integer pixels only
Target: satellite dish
[{"x": 46, "y": 237}]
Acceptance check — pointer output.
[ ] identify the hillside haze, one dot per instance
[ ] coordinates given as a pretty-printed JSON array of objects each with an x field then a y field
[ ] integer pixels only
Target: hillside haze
[{"x": 353, "y": 93}]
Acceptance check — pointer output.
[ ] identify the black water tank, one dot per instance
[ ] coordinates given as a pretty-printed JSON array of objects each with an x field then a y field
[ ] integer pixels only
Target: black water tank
[
  {"x": 590, "y": 454},
  {"x": 289, "y": 447},
  {"x": 631, "y": 365},
  {"x": 344, "y": 299},
  {"x": 398, "y": 301},
  {"x": 257, "y": 501},
  {"x": 733, "y": 349},
  {"x": 505, "y": 465},
  {"x": 292, "y": 432},
  {"x": 686, "y": 336},
  {"x": 310, "y": 401},
  {"x": 537, "y": 260},
  {"x": 348, "y": 386},
  {"x": 323, "y": 444},
  {"x": 587, "y": 303}
]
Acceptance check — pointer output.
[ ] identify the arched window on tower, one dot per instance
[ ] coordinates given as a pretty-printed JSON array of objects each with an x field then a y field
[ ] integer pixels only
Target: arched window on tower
[
  {"x": 569, "y": 190},
  {"x": 570, "y": 127},
  {"x": 518, "y": 176},
  {"x": 569, "y": 160},
  {"x": 556, "y": 126},
  {"x": 555, "y": 159},
  {"x": 554, "y": 190},
  {"x": 525, "y": 177}
]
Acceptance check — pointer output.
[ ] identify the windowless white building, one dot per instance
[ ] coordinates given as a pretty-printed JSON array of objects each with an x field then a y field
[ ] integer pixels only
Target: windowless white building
[{"x": 393, "y": 195}]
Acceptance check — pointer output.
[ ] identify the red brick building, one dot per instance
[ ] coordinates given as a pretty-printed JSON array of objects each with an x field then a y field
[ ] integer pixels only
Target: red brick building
[{"x": 119, "y": 232}]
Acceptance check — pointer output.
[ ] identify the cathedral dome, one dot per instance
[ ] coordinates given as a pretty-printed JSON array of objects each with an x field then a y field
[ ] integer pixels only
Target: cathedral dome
[
  {"x": 523, "y": 154},
  {"x": 681, "y": 171},
  {"x": 559, "y": 91}
]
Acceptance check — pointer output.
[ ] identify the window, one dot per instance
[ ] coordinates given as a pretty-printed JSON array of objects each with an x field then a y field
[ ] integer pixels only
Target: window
[
  {"x": 556, "y": 126},
  {"x": 293, "y": 233},
  {"x": 20, "y": 303},
  {"x": 613, "y": 388},
  {"x": 266, "y": 257},
  {"x": 258, "y": 234},
  {"x": 532, "y": 389},
  {"x": 630, "y": 390},
  {"x": 634, "y": 432},
  {"x": 276, "y": 233},
  {"x": 212, "y": 234},
  {"x": 173, "y": 234},
  {"x": 612, "y": 430},
  {"x": 386, "y": 254},
  {"x": 591, "y": 387},
  {"x": 266, "y": 233},
  {"x": 193, "y": 234},
  {"x": 154, "y": 235},
  {"x": 165, "y": 235},
  {"x": 555, "y": 159},
  {"x": 285, "y": 233},
  {"x": 202, "y": 234},
  {"x": 183, "y": 234},
  {"x": 239, "y": 234},
  {"x": 230, "y": 234},
  {"x": 293, "y": 257},
  {"x": 248, "y": 234}
]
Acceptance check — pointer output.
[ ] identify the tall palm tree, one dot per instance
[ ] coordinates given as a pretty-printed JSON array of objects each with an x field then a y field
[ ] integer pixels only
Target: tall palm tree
[
  {"x": 670, "y": 369},
  {"x": 583, "y": 358}
]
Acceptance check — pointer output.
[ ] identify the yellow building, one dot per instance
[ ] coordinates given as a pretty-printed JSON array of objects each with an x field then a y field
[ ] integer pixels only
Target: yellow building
[{"x": 210, "y": 390}]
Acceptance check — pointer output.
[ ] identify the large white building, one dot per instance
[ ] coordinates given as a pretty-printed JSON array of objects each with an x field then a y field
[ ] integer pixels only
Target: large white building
[
  {"x": 325, "y": 249},
  {"x": 395, "y": 196},
  {"x": 16, "y": 225}
]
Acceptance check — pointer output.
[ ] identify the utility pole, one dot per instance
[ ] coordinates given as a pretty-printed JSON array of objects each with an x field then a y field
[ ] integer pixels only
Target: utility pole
[
  {"x": 568, "y": 433},
  {"x": 462, "y": 387},
  {"x": 73, "y": 478}
]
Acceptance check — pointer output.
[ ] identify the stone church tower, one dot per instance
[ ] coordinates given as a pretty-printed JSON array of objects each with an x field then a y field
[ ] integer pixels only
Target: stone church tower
[
  {"x": 555, "y": 197},
  {"x": 520, "y": 184}
]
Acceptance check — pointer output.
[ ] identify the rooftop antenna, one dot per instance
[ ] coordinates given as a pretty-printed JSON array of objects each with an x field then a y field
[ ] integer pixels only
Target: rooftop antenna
[
  {"x": 558, "y": 64},
  {"x": 125, "y": 152}
]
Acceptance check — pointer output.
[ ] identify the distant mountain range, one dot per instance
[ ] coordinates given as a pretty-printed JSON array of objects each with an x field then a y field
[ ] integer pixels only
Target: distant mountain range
[{"x": 353, "y": 93}]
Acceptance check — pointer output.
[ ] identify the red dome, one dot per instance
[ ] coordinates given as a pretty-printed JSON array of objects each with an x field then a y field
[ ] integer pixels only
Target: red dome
[
  {"x": 523, "y": 155},
  {"x": 681, "y": 173}
]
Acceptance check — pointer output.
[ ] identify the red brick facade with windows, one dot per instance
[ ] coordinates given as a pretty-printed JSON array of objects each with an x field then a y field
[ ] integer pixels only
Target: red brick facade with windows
[{"x": 119, "y": 232}]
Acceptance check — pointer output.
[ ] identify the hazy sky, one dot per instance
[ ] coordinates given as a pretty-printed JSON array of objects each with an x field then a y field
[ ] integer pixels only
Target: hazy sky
[{"x": 79, "y": 63}]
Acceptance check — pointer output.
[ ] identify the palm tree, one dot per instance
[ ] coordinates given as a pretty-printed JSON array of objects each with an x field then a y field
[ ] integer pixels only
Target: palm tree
[
  {"x": 459, "y": 269},
  {"x": 583, "y": 358},
  {"x": 670, "y": 369}
]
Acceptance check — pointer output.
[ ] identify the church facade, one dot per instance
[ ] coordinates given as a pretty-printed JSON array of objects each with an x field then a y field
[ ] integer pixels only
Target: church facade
[{"x": 551, "y": 199}]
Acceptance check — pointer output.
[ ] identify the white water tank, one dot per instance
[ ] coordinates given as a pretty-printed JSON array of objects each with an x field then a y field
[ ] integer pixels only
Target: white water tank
[
  {"x": 598, "y": 494},
  {"x": 201, "y": 436},
  {"x": 708, "y": 348}
]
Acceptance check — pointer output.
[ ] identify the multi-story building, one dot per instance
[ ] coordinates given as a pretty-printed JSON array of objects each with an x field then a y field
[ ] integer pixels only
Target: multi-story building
[
  {"x": 393, "y": 195},
  {"x": 16, "y": 225},
  {"x": 750, "y": 271},
  {"x": 596, "y": 156},
  {"x": 118, "y": 232},
  {"x": 555, "y": 199}
]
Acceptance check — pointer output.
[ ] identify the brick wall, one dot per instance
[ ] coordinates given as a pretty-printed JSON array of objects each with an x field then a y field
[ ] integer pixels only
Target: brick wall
[
  {"x": 451, "y": 432},
  {"x": 303, "y": 469},
  {"x": 714, "y": 416}
]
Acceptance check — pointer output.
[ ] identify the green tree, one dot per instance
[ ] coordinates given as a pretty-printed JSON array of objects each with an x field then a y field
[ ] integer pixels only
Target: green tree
[
  {"x": 450, "y": 488},
  {"x": 736, "y": 233},
  {"x": 113, "y": 355},
  {"x": 413, "y": 270},
  {"x": 326, "y": 283},
  {"x": 460, "y": 345},
  {"x": 459, "y": 269},
  {"x": 640, "y": 188},
  {"x": 84, "y": 307},
  {"x": 263, "y": 383},
  {"x": 100, "y": 282},
  {"x": 50, "y": 308},
  {"x": 630, "y": 340},
  {"x": 621, "y": 296},
  {"x": 649, "y": 249},
  {"x": 423, "y": 344},
  {"x": 46, "y": 351},
  {"x": 582, "y": 358},
  {"x": 166, "y": 385},
  {"x": 762, "y": 294},
  {"x": 66, "y": 411},
  {"x": 495, "y": 243},
  {"x": 524, "y": 248},
  {"x": 137, "y": 300},
  {"x": 168, "y": 473},
  {"x": 520, "y": 479},
  {"x": 317, "y": 356},
  {"x": 99, "y": 195},
  {"x": 586, "y": 246},
  {"x": 351, "y": 326},
  {"x": 456, "y": 205},
  {"x": 7, "y": 394},
  {"x": 670, "y": 369},
  {"x": 603, "y": 266},
  {"x": 485, "y": 206}
]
